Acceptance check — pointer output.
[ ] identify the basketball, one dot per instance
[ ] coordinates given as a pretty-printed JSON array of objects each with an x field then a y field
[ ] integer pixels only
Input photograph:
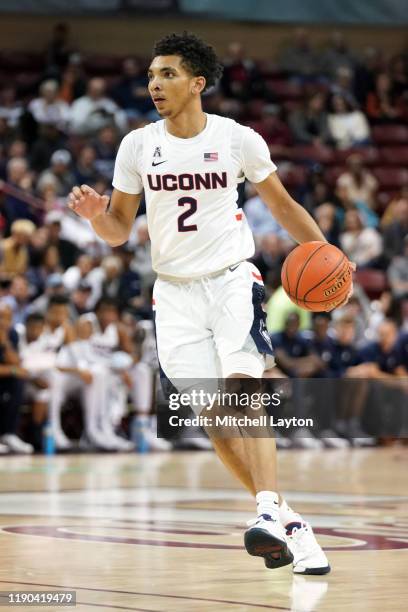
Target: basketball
[{"x": 316, "y": 276}]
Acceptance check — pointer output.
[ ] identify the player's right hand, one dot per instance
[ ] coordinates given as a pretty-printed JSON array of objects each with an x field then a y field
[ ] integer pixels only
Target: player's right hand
[{"x": 86, "y": 202}]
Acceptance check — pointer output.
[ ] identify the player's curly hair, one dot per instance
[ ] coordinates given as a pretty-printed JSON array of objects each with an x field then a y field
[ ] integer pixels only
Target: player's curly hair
[{"x": 198, "y": 57}]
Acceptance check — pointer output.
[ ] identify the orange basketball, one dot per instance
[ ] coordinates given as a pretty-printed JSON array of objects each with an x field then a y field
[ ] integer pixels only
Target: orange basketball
[{"x": 316, "y": 276}]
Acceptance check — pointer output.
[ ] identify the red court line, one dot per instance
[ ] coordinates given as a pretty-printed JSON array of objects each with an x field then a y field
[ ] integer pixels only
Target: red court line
[{"x": 221, "y": 601}]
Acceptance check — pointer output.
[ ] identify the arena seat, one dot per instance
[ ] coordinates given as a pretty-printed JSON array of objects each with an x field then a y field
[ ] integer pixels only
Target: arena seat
[
  {"x": 374, "y": 282},
  {"x": 390, "y": 134},
  {"x": 394, "y": 156},
  {"x": 333, "y": 173},
  {"x": 309, "y": 153},
  {"x": 369, "y": 155},
  {"x": 102, "y": 65},
  {"x": 279, "y": 152},
  {"x": 391, "y": 178},
  {"x": 292, "y": 176},
  {"x": 285, "y": 90},
  {"x": 20, "y": 61}
]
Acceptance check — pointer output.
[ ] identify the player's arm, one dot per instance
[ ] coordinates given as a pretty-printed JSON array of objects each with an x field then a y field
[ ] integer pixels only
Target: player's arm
[
  {"x": 125, "y": 343},
  {"x": 288, "y": 213},
  {"x": 113, "y": 220}
]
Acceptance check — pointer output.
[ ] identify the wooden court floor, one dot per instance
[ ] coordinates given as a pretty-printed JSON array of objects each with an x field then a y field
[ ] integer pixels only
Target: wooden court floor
[{"x": 163, "y": 533}]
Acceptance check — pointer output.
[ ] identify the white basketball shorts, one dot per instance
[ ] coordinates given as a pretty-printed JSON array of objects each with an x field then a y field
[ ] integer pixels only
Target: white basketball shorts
[{"x": 213, "y": 326}]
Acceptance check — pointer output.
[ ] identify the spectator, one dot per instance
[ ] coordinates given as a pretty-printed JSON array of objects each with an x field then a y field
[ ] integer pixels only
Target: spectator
[
  {"x": 345, "y": 353},
  {"x": 318, "y": 193},
  {"x": 11, "y": 109},
  {"x": 106, "y": 145},
  {"x": 399, "y": 78},
  {"x": 47, "y": 108},
  {"x": 398, "y": 273},
  {"x": 337, "y": 55},
  {"x": 382, "y": 104},
  {"x": 54, "y": 286},
  {"x": 57, "y": 333},
  {"x": 368, "y": 67},
  {"x": 59, "y": 48},
  {"x": 325, "y": 215},
  {"x": 19, "y": 178},
  {"x": 345, "y": 202},
  {"x": 77, "y": 273},
  {"x": 19, "y": 299},
  {"x": 131, "y": 93},
  {"x": 292, "y": 351},
  {"x": 49, "y": 264},
  {"x": 142, "y": 259},
  {"x": 95, "y": 110},
  {"x": 350, "y": 402},
  {"x": 310, "y": 124},
  {"x": 130, "y": 283},
  {"x": 85, "y": 168},
  {"x": 363, "y": 245},
  {"x": 270, "y": 255},
  {"x": 12, "y": 377},
  {"x": 360, "y": 183},
  {"x": 37, "y": 363},
  {"x": 324, "y": 395},
  {"x": 396, "y": 232},
  {"x": 382, "y": 359},
  {"x": 14, "y": 254},
  {"x": 80, "y": 300},
  {"x": 348, "y": 127},
  {"x": 73, "y": 80},
  {"x": 389, "y": 213},
  {"x": 107, "y": 283},
  {"x": 49, "y": 140},
  {"x": 299, "y": 58},
  {"x": 68, "y": 252},
  {"x": 59, "y": 173},
  {"x": 343, "y": 86},
  {"x": 296, "y": 359},
  {"x": 260, "y": 219},
  {"x": 239, "y": 79}
]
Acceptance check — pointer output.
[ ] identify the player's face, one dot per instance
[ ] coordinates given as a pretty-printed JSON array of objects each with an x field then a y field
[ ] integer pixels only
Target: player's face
[
  {"x": 170, "y": 85},
  {"x": 58, "y": 314},
  {"x": 107, "y": 315},
  {"x": 34, "y": 329}
]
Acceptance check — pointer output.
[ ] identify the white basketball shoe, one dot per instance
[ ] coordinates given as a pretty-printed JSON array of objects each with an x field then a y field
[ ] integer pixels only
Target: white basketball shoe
[
  {"x": 267, "y": 538},
  {"x": 308, "y": 557}
]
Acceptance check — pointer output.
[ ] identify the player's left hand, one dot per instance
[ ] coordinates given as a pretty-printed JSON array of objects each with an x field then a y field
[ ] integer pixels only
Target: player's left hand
[{"x": 353, "y": 268}]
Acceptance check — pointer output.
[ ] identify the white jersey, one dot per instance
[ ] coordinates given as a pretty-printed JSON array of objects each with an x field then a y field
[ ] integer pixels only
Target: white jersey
[
  {"x": 190, "y": 185},
  {"x": 102, "y": 343}
]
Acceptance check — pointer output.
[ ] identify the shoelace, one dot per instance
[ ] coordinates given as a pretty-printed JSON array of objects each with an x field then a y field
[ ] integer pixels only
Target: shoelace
[{"x": 302, "y": 538}]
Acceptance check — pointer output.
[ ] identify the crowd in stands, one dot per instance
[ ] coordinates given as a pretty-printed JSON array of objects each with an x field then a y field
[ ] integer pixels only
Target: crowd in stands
[{"x": 74, "y": 312}]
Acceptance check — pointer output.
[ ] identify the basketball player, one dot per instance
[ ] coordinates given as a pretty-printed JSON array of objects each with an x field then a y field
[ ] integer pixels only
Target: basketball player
[{"x": 207, "y": 296}]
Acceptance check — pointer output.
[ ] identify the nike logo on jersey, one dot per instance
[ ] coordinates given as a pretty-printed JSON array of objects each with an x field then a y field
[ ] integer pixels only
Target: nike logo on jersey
[
  {"x": 232, "y": 268},
  {"x": 158, "y": 163}
]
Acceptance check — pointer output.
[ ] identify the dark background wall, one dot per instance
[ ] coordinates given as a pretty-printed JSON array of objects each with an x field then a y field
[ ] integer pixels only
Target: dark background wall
[{"x": 120, "y": 35}]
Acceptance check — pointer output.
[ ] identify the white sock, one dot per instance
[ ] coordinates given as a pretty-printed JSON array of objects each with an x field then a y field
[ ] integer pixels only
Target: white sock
[
  {"x": 287, "y": 515},
  {"x": 267, "y": 502}
]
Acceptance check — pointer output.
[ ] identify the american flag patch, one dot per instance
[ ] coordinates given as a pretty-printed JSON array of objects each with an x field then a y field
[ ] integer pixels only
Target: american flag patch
[{"x": 210, "y": 157}]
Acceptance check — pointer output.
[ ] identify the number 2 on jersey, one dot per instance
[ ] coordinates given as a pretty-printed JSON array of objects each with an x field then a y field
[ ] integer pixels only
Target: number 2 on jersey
[{"x": 192, "y": 203}]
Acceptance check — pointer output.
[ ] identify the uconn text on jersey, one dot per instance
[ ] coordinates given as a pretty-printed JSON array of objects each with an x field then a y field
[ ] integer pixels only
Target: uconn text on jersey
[{"x": 187, "y": 182}]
